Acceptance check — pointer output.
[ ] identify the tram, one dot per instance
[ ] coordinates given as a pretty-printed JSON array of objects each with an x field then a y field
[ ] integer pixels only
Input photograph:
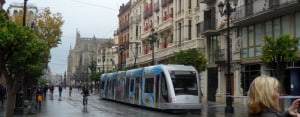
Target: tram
[{"x": 163, "y": 87}]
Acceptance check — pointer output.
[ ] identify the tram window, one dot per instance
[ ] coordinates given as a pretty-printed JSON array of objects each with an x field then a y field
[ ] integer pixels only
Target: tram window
[
  {"x": 131, "y": 85},
  {"x": 185, "y": 84},
  {"x": 102, "y": 84},
  {"x": 149, "y": 82}
]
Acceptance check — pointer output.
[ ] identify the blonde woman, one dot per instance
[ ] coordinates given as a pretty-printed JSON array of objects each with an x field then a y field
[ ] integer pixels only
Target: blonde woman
[{"x": 263, "y": 99}]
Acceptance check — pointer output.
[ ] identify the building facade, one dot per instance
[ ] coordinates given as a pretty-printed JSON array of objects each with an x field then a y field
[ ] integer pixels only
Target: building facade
[
  {"x": 16, "y": 10},
  {"x": 185, "y": 24},
  {"x": 85, "y": 51}
]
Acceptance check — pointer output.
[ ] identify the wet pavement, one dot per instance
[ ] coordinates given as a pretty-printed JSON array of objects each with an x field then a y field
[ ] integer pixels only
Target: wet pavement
[{"x": 72, "y": 107}]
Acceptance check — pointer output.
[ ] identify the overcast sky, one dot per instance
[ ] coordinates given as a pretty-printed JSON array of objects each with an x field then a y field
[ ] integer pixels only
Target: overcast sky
[{"x": 90, "y": 17}]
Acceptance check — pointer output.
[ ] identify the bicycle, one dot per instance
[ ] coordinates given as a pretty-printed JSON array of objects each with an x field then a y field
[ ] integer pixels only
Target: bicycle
[{"x": 85, "y": 103}]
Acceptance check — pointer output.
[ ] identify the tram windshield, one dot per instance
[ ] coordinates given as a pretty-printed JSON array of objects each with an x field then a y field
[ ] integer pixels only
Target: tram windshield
[{"x": 184, "y": 82}]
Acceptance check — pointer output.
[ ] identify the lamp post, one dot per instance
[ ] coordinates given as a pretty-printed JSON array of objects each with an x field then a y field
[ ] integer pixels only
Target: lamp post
[
  {"x": 19, "y": 96},
  {"x": 227, "y": 12},
  {"x": 24, "y": 14},
  {"x": 103, "y": 59},
  {"x": 152, "y": 40},
  {"x": 121, "y": 49}
]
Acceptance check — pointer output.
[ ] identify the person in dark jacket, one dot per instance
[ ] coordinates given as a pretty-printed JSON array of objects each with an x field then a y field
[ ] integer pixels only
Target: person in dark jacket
[
  {"x": 2, "y": 94},
  {"x": 263, "y": 99}
]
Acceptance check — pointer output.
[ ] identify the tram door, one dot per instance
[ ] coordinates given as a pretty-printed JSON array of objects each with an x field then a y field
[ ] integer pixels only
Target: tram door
[
  {"x": 163, "y": 88},
  {"x": 132, "y": 91},
  {"x": 137, "y": 89}
]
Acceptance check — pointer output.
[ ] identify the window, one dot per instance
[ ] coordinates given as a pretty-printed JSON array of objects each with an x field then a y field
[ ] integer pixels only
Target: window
[
  {"x": 184, "y": 82},
  {"x": 149, "y": 84},
  {"x": 214, "y": 47},
  {"x": 199, "y": 29},
  {"x": 136, "y": 31},
  {"x": 258, "y": 39},
  {"x": 190, "y": 30},
  {"x": 252, "y": 37},
  {"x": 286, "y": 24},
  {"x": 244, "y": 43},
  {"x": 249, "y": 73},
  {"x": 269, "y": 28},
  {"x": 131, "y": 85},
  {"x": 102, "y": 84},
  {"x": 276, "y": 28}
]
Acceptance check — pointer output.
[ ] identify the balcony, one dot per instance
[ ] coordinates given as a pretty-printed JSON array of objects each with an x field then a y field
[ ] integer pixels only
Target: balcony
[
  {"x": 124, "y": 26},
  {"x": 209, "y": 22},
  {"x": 206, "y": 1},
  {"x": 148, "y": 11},
  {"x": 164, "y": 3},
  {"x": 169, "y": 51},
  {"x": 136, "y": 19},
  {"x": 220, "y": 56},
  {"x": 156, "y": 7},
  {"x": 165, "y": 25},
  {"x": 261, "y": 10}
]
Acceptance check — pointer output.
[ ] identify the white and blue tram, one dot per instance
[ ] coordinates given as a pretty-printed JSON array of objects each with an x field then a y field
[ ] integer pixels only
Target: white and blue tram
[{"x": 163, "y": 87}]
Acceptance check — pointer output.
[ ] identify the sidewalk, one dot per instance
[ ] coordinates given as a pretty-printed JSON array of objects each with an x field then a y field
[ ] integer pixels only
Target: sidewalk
[
  {"x": 218, "y": 110},
  {"x": 53, "y": 107}
]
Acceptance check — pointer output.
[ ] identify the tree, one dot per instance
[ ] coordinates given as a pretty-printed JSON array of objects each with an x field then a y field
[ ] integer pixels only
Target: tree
[
  {"x": 20, "y": 52},
  {"x": 48, "y": 27},
  {"x": 95, "y": 76},
  {"x": 191, "y": 57},
  {"x": 277, "y": 53}
]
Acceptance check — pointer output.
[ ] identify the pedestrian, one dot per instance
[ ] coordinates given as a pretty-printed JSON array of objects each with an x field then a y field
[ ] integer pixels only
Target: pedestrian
[
  {"x": 59, "y": 90},
  {"x": 45, "y": 88},
  {"x": 39, "y": 100},
  {"x": 2, "y": 94},
  {"x": 70, "y": 91},
  {"x": 38, "y": 93},
  {"x": 263, "y": 99},
  {"x": 92, "y": 86},
  {"x": 51, "y": 89}
]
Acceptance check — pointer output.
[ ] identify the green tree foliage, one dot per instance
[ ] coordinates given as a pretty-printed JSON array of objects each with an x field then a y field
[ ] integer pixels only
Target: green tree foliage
[
  {"x": 95, "y": 76},
  {"x": 42, "y": 81},
  {"x": 276, "y": 53},
  {"x": 93, "y": 66},
  {"x": 20, "y": 51},
  {"x": 191, "y": 57}
]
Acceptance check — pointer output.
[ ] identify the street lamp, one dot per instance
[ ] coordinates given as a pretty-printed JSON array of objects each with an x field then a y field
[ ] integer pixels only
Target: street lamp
[
  {"x": 103, "y": 59},
  {"x": 121, "y": 49},
  {"x": 136, "y": 54},
  {"x": 19, "y": 96},
  {"x": 227, "y": 12},
  {"x": 152, "y": 40},
  {"x": 24, "y": 14}
]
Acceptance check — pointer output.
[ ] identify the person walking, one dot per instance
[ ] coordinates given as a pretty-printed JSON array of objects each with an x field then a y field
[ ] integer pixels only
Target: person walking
[
  {"x": 2, "y": 94},
  {"x": 45, "y": 88},
  {"x": 38, "y": 93},
  {"x": 39, "y": 101},
  {"x": 70, "y": 91},
  {"x": 59, "y": 90},
  {"x": 263, "y": 99}
]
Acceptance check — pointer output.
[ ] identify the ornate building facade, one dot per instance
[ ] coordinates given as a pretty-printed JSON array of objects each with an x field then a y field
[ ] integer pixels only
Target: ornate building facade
[
  {"x": 185, "y": 24},
  {"x": 85, "y": 51}
]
